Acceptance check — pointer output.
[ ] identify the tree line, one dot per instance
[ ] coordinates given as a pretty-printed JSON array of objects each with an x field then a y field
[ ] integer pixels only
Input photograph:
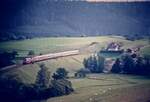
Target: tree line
[
  {"x": 45, "y": 86},
  {"x": 126, "y": 64},
  {"x": 94, "y": 63},
  {"x": 7, "y": 58},
  {"x": 132, "y": 64},
  {"x": 8, "y": 36}
]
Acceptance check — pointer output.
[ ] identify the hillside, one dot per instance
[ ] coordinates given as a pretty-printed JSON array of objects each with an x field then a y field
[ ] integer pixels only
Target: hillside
[
  {"x": 28, "y": 73},
  {"x": 93, "y": 88},
  {"x": 110, "y": 88},
  {"x": 62, "y": 18}
]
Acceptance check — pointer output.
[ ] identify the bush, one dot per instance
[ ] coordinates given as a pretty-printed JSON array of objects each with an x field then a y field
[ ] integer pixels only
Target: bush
[
  {"x": 31, "y": 52},
  {"x": 61, "y": 73},
  {"x": 12, "y": 90},
  {"x": 62, "y": 87},
  {"x": 82, "y": 73},
  {"x": 6, "y": 58}
]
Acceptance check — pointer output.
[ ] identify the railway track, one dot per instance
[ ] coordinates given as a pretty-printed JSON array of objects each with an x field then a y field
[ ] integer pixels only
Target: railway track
[
  {"x": 41, "y": 58},
  {"x": 53, "y": 56},
  {"x": 7, "y": 68}
]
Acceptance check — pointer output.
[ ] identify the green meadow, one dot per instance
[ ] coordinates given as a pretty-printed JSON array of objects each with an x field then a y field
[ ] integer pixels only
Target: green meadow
[{"x": 87, "y": 89}]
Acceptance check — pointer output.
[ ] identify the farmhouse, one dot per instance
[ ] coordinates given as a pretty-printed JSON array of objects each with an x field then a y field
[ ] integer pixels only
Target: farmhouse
[{"x": 113, "y": 47}]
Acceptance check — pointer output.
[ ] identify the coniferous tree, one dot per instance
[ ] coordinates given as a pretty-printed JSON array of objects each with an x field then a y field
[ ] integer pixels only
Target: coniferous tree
[
  {"x": 147, "y": 65},
  {"x": 128, "y": 64},
  {"x": 95, "y": 65},
  {"x": 139, "y": 66},
  {"x": 101, "y": 61},
  {"x": 43, "y": 77},
  {"x": 116, "y": 68},
  {"x": 85, "y": 63}
]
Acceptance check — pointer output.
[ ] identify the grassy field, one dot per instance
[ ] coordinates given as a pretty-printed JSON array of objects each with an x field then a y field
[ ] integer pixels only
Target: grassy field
[
  {"x": 47, "y": 45},
  {"x": 28, "y": 73},
  {"x": 146, "y": 50},
  {"x": 102, "y": 89},
  {"x": 107, "y": 88}
]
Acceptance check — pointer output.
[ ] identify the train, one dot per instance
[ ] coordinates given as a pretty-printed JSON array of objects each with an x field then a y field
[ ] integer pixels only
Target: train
[{"x": 29, "y": 60}]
